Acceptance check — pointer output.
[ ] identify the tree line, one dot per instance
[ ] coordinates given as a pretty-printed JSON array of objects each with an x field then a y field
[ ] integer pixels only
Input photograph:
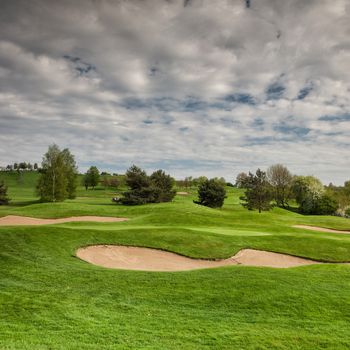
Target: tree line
[
  {"x": 277, "y": 186},
  {"x": 262, "y": 190}
]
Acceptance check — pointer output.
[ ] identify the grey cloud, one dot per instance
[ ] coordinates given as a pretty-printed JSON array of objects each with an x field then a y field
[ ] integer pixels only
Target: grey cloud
[{"x": 198, "y": 86}]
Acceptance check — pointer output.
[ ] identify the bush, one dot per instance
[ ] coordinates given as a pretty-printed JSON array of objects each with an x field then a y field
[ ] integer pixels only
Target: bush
[
  {"x": 3, "y": 194},
  {"x": 211, "y": 193},
  {"x": 156, "y": 188},
  {"x": 326, "y": 205}
]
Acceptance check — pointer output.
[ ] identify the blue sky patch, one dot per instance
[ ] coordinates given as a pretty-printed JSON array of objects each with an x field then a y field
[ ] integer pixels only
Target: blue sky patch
[
  {"x": 335, "y": 118},
  {"x": 275, "y": 91}
]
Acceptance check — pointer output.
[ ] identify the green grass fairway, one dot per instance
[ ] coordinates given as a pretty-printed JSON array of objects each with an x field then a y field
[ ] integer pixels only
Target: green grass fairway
[{"x": 49, "y": 299}]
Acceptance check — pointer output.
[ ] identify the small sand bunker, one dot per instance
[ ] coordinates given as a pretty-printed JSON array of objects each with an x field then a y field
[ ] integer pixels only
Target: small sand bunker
[
  {"x": 24, "y": 220},
  {"x": 182, "y": 193},
  {"x": 146, "y": 259},
  {"x": 321, "y": 229}
]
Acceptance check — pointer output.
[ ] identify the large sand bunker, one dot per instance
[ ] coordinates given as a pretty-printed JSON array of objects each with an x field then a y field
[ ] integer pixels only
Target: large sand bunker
[
  {"x": 24, "y": 220},
  {"x": 321, "y": 229},
  {"x": 146, "y": 259}
]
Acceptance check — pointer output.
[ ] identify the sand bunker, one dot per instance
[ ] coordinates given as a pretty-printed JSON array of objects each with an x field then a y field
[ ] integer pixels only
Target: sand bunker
[
  {"x": 23, "y": 220},
  {"x": 146, "y": 259},
  {"x": 182, "y": 193},
  {"x": 321, "y": 229}
]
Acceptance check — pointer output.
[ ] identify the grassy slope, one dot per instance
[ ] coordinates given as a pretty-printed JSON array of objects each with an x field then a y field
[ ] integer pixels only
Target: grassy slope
[{"x": 51, "y": 300}]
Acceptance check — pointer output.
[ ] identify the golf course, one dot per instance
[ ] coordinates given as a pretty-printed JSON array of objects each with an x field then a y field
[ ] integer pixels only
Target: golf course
[{"x": 52, "y": 299}]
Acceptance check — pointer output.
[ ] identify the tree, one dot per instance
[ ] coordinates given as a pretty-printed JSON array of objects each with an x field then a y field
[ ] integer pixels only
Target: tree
[
  {"x": 136, "y": 178},
  {"x": 71, "y": 172},
  {"x": 308, "y": 190},
  {"x": 91, "y": 178},
  {"x": 326, "y": 205},
  {"x": 258, "y": 194},
  {"x": 110, "y": 181},
  {"x": 242, "y": 180},
  {"x": 3, "y": 194},
  {"x": 35, "y": 166},
  {"x": 211, "y": 193},
  {"x": 163, "y": 185},
  {"x": 52, "y": 185},
  {"x": 280, "y": 179},
  {"x": 147, "y": 189},
  {"x": 22, "y": 165}
]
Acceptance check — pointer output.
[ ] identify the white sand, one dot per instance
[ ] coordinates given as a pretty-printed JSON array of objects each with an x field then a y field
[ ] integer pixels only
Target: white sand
[
  {"x": 11, "y": 220},
  {"x": 146, "y": 259}
]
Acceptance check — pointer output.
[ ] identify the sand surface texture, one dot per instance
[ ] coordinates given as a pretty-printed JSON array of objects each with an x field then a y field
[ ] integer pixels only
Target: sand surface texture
[
  {"x": 146, "y": 259},
  {"x": 23, "y": 220},
  {"x": 321, "y": 229}
]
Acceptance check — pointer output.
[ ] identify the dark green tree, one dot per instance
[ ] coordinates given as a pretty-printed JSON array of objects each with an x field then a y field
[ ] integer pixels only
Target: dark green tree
[
  {"x": 4, "y": 199},
  {"x": 136, "y": 178},
  {"x": 258, "y": 194},
  {"x": 163, "y": 186},
  {"x": 147, "y": 189},
  {"x": 211, "y": 193},
  {"x": 325, "y": 205}
]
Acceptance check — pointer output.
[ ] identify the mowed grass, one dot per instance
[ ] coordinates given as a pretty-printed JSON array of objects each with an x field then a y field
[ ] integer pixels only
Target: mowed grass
[{"x": 49, "y": 299}]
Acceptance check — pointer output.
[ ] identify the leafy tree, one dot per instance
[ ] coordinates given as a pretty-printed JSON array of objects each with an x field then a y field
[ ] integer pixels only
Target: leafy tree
[
  {"x": 15, "y": 166},
  {"x": 258, "y": 194},
  {"x": 52, "y": 185},
  {"x": 199, "y": 180},
  {"x": 3, "y": 194},
  {"x": 326, "y": 205},
  {"x": 280, "y": 179},
  {"x": 71, "y": 172},
  {"x": 35, "y": 166},
  {"x": 341, "y": 194},
  {"x": 110, "y": 181},
  {"x": 91, "y": 178},
  {"x": 211, "y": 193},
  {"x": 308, "y": 190},
  {"x": 242, "y": 180}
]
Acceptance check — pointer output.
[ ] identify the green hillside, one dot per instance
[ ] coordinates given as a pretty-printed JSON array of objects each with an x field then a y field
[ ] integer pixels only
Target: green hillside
[{"x": 49, "y": 299}]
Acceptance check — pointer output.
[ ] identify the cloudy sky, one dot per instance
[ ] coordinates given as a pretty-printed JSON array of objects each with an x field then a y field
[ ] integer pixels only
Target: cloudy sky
[{"x": 196, "y": 87}]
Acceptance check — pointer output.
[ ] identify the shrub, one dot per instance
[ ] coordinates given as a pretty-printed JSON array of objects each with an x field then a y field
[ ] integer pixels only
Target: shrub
[
  {"x": 3, "y": 194},
  {"x": 144, "y": 189},
  {"x": 211, "y": 193},
  {"x": 326, "y": 205}
]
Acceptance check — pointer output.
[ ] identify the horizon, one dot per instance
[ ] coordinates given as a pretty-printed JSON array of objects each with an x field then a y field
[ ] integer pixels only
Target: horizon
[{"x": 192, "y": 87}]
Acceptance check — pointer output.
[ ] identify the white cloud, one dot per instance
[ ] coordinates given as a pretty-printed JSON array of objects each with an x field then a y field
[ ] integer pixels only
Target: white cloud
[{"x": 150, "y": 82}]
